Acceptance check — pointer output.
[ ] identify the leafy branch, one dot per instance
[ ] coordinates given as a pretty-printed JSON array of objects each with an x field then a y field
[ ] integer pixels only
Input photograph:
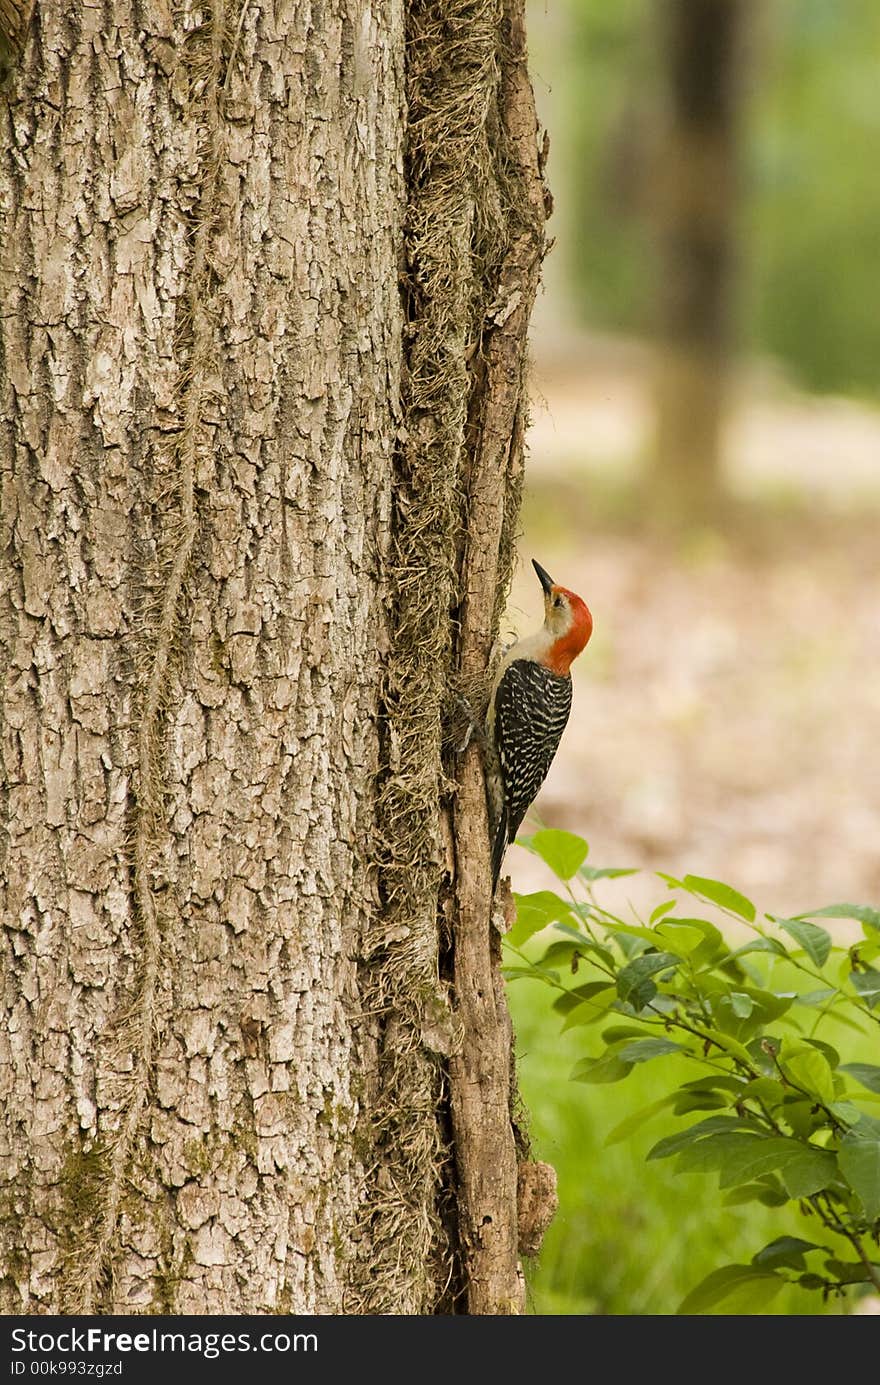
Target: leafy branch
[{"x": 789, "y": 1122}]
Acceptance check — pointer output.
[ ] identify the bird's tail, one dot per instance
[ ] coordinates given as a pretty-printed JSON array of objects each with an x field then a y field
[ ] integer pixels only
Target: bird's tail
[{"x": 499, "y": 846}]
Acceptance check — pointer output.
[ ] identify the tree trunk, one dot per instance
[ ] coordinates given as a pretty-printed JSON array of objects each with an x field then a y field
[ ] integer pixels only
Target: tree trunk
[
  {"x": 243, "y": 478},
  {"x": 695, "y": 188}
]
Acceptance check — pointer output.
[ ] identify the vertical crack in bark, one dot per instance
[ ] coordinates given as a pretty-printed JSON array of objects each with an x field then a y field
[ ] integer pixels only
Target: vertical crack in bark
[
  {"x": 474, "y": 242},
  {"x": 451, "y": 213},
  {"x": 480, "y": 1073},
  {"x": 136, "y": 1035}
]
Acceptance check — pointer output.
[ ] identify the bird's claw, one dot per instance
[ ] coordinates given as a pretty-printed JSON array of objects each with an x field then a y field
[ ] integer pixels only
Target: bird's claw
[{"x": 474, "y": 729}]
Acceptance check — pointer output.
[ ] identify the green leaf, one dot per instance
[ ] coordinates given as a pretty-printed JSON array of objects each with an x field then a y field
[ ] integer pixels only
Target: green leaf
[
  {"x": 867, "y": 984},
  {"x": 860, "y": 912},
  {"x": 720, "y": 1284},
  {"x": 533, "y": 973},
  {"x": 584, "y": 944},
  {"x": 635, "y": 1122},
  {"x": 712, "y": 1154},
  {"x": 868, "y": 1127},
  {"x": 561, "y": 953},
  {"x": 848, "y": 1113},
  {"x": 812, "y": 1281},
  {"x": 803, "y": 1115},
  {"x": 696, "y": 938},
  {"x": 633, "y": 930},
  {"x": 831, "y": 1054},
  {"x": 722, "y": 895},
  {"x": 562, "y": 851},
  {"x": 629, "y": 946},
  {"x": 685, "y": 1102},
  {"x": 818, "y": 997},
  {"x": 761, "y": 945},
  {"x": 809, "y": 1070},
  {"x": 665, "y": 908},
  {"x": 753, "y": 1155},
  {"x": 643, "y": 1050},
  {"x": 663, "y": 1004},
  {"x": 809, "y": 1172},
  {"x": 571, "y": 954},
  {"x": 606, "y": 1068},
  {"x": 564, "y": 1004},
  {"x": 615, "y": 1033},
  {"x": 867, "y": 1074},
  {"x": 849, "y": 1271},
  {"x": 634, "y": 983},
  {"x": 671, "y": 1144},
  {"x": 866, "y": 950},
  {"x": 815, "y": 941},
  {"x": 770, "y": 1004},
  {"x": 767, "y": 1190},
  {"x": 591, "y": 1009},
  {"x": 729, "y": 1151},
  {"x": 769, "y": 1091},
  {"x": 606, "y": 873},
  {"x": 723, "y": 1082},
  {"x": 785, "y": 1250},
  {"x": 741, "y": 1004},
  {"x": 705, "y": 1094},
  {"x": 672, "y": 881},
  {"x": 728, "y": 1044},
  {"x": 571, "y": 931},
  {"x": 743, "y": 1155},
  {"x": 762, "y": 1052},
  {"x": 675, "y": 935},
  {"x": 859, "y": 1161},
  {"x": 537, "y": 911},
  {"x": 639, "y": 993}
]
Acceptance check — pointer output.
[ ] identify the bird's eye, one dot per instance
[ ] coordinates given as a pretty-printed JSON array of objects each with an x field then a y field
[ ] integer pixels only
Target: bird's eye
[{"x": 557, "y": 601}]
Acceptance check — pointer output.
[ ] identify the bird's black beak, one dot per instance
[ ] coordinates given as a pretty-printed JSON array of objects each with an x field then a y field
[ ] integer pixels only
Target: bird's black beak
[{"x": 544, "y": 578}]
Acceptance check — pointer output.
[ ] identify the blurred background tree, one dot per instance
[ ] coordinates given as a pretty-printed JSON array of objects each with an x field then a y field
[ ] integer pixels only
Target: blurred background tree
[
  {"x": 693, "y": 189},
  {"x": 708, "y": 163},
  {"x": 808, "y": 216}
]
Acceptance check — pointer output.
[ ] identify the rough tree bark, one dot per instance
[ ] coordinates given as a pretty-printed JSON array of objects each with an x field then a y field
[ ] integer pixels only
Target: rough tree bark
[
  {"x": 251, "y": 491},
  {"x": 695, "y": 196}
]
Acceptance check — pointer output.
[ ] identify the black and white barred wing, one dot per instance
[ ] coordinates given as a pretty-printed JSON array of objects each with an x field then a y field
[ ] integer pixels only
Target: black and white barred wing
[{"x": 532, "y": 707}]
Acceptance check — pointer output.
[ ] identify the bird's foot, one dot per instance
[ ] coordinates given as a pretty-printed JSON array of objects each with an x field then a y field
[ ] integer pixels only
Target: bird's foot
[{"x": 473, "y": 729}]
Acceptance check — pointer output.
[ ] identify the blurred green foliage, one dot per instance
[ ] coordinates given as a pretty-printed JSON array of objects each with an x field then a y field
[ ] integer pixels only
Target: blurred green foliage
[
  {"x": 812, "y": 225},
  {"x": 810, "y": 219}
]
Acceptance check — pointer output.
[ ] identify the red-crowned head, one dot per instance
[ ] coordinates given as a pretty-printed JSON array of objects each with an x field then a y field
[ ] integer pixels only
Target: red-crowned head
[{"x": 568, "y": 623}]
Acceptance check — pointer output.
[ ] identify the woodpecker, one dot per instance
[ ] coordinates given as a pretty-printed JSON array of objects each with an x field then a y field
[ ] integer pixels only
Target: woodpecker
[{"x": 528, "y": 711}]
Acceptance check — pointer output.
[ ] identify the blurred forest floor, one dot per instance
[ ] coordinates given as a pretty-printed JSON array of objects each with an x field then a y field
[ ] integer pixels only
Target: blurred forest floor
[{"x": 726, "y": 715}]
